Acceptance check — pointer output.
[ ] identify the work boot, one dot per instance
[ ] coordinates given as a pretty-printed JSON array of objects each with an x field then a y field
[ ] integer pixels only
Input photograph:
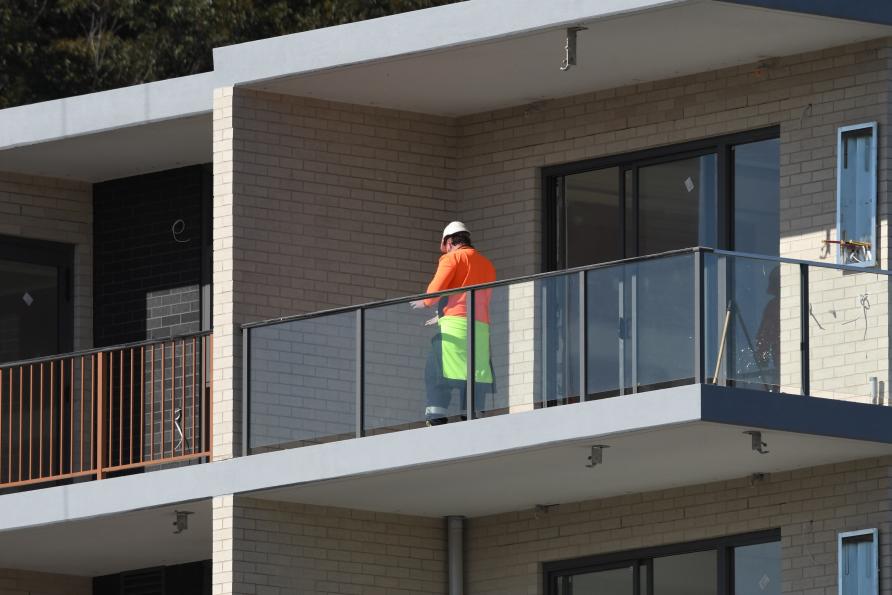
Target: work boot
[{"x": 437, "y": 421}]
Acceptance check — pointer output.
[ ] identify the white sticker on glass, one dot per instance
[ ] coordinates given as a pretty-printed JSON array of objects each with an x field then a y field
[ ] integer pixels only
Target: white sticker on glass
[
  {"x": 763, "y": 582},
  {"x": 27, "y": 299},
  {"x": 689, "y": 183}
]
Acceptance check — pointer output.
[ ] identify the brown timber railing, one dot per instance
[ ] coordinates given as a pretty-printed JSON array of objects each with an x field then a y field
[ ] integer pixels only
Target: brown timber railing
[{"x": 105, "y": 411}]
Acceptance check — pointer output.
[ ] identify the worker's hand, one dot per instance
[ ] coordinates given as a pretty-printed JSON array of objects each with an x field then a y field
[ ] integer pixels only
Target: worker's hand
[
  {"x": 432, "y": 321},
  {"x": 417, "y": 304}
]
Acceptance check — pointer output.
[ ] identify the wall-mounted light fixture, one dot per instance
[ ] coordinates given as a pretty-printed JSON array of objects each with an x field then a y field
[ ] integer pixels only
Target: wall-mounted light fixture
[
  {"x": 570, "y": 48},
  {"x": 182, "y": 521},
  {"x": 597, "y": 456},
  {"x": 757, "y": 444}
]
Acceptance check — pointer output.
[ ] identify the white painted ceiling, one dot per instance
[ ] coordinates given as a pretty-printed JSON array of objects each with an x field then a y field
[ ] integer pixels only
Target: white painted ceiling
[
  {"x": 667, "y": 457},
  {"x": 117, "y": 153},
  {"x": 107, "y": 545},
  {"x": 656, "y": 44}
]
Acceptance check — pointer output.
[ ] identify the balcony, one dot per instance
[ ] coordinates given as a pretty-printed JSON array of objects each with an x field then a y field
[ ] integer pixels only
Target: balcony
[
  {"x": 105, "y": 412},
  {"x": 778, "y": 326}
]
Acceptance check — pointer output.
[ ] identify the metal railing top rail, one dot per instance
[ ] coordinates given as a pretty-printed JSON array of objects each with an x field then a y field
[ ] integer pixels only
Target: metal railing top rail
[
  {"x": 537, "y": 276},
  {"x": 847, "y": 268},
  {"x": 448, "y": 292},
  {"x": 95, "y": 350}
]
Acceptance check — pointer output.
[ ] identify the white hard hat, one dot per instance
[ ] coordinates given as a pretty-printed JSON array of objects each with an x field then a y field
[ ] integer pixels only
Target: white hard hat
[{"x": 454, "y": 227}]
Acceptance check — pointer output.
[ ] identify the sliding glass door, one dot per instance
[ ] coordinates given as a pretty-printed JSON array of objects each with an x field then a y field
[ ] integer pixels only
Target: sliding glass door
[
  {"x": 721, "y": 193},
  {"x": 740, "y": 565}
]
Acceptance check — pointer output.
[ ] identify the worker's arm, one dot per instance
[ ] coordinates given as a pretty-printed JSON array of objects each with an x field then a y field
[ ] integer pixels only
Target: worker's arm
[{"x": 443, "y": 279}]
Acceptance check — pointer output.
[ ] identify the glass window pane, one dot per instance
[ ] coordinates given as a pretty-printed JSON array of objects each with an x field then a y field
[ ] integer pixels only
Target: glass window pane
[
  {"x": 592, "y": 217},
  {"x": 676, "y": 203},
  {"x": 856, "y": 194},
  {"x": 757, "y": 197},
  {"x": 631, "y": 220},
  {"x": 617, "y": 581},
  {"x": 757, "y": 569},
  {"x": 686, "y": 574},
  {"x": 29, "y": 310}
]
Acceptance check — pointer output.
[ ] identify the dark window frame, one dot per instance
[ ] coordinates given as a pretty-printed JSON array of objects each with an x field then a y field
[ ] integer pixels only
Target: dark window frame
[
  {"x": 552, "y": 181},
  {"x": 55, "y": 254},
  {"x": 724, "y": 547}
]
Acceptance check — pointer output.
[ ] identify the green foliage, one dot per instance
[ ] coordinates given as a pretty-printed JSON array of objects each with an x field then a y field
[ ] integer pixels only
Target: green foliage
[{"x": 57, "y": 48}]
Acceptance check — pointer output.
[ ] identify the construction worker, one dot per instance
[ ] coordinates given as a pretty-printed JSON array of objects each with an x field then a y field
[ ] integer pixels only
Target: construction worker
[{"x": 460, "y": 265}]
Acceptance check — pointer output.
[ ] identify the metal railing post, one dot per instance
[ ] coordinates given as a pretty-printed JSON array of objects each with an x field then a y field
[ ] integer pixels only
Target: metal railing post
[
  {"x": 698, "y": 316},
  {"x": 246, "y": 391},
  {"x": 472, "y": 367},
  {"x": 100, "y": 414},
  {"x": 804, "y": 346},
  {"x": 210, "y": 393},
  {"x": 583, "y": 339},
  {"x": 360, "y": 372}
]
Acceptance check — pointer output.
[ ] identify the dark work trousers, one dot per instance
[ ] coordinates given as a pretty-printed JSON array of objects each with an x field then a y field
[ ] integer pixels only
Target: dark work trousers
[{"x": 440, "y": 389}]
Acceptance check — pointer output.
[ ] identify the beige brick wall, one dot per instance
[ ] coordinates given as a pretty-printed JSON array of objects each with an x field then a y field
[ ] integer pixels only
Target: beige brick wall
[
  {"x": 808, "y": 95},
  {"x": 60, "y": 211},
  {"x": 222, "y": 546},
  {"x": 227, "y": 337},
  {"x": 23, "y": 582},
  {"x": 504, "y": 553},
  {"x": 335, "y": 204},
  {"x": 319, "y": 205},
  {"x": 269, "y": 547}
]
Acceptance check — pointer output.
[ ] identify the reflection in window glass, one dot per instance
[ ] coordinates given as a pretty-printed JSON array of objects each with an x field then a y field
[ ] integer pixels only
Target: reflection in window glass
[
  {"x": 757, "y": 569},
  {"x": 592, "y": 207},
  {"x": 631, "y": 219},
  {"x": 686, "y": 574},
  {"x": 754, "y": 331},
  {"x": 676, "y": 205},
  {"x": 617, "y": 581},
  {"x": 757, "y": 197}
]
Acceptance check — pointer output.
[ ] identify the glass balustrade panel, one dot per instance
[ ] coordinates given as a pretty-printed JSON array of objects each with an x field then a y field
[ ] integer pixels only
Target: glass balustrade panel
[
  {"x": 848, "y": 325},
  {"x": 753, "y": 321},
  {"x": 659, "y": 298},
  {"x": 303, "y": 382},
  {"x": 415, "y": 364},
  {"x": 606, "y": 331}
]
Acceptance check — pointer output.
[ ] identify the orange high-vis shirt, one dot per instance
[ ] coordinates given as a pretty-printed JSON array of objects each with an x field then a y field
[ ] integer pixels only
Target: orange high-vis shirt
[{"x": 460, "y": 268}]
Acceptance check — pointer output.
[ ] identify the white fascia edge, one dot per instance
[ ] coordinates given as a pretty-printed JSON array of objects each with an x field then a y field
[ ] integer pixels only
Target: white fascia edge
[
  {"x": 351, "y": 458},
  {"x": 464, "y": 23},
  {"x": 107, "y": 110}
]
